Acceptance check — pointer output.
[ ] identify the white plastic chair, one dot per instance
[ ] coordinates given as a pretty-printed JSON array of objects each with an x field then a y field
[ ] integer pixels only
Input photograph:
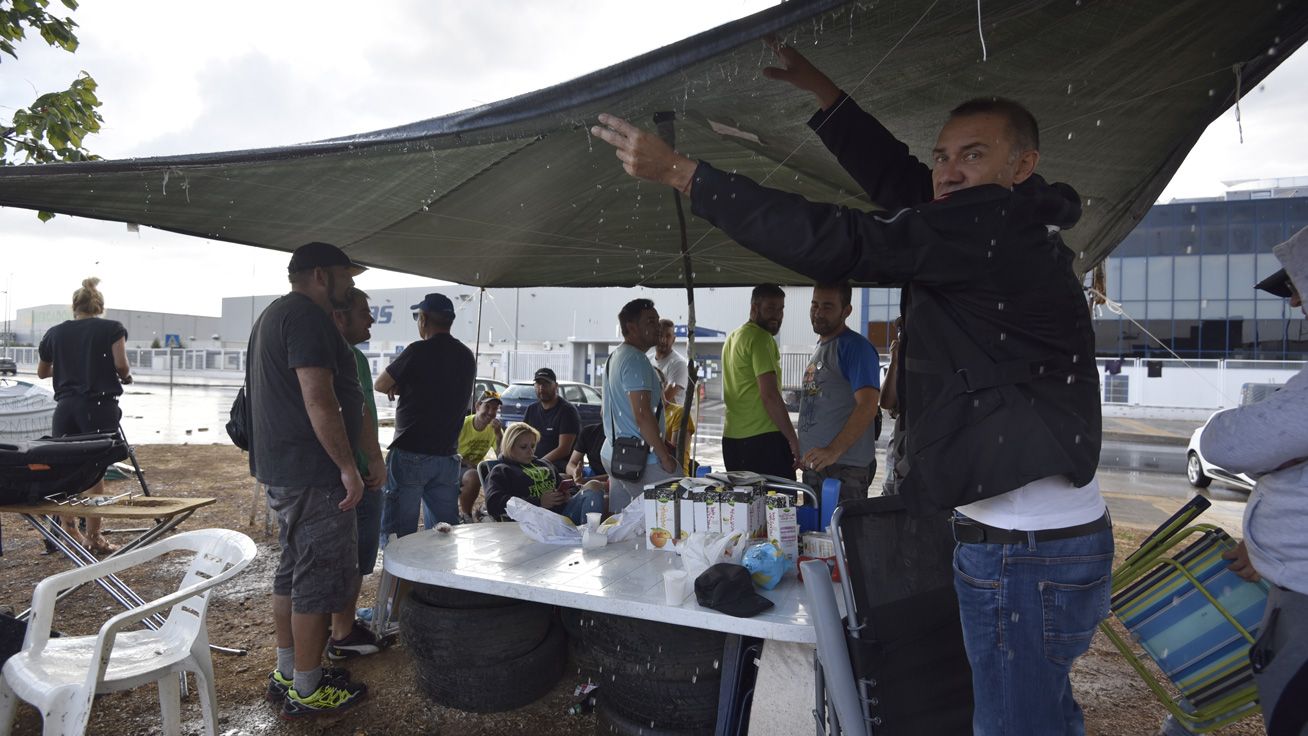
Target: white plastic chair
[{"x": 61, "y": 676}]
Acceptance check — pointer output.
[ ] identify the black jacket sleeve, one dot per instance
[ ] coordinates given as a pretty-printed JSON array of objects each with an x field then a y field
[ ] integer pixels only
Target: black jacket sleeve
[
  {"x": 938, "y": 244},
  {"x": 878, "y": 161}
]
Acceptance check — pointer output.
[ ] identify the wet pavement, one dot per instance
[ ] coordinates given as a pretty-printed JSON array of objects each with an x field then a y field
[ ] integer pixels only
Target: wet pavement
[{"x": 1142, "y": 471}]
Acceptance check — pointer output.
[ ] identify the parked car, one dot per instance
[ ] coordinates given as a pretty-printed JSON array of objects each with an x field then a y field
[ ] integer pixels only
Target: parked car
[
  {"x": 522, "y": 394},
  {"x": 1201, "y": 473},
  {"x": 8, "y": 366}
]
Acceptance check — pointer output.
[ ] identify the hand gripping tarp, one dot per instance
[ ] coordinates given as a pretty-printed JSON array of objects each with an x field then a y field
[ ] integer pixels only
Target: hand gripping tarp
[{"x": 516, "y": 193}]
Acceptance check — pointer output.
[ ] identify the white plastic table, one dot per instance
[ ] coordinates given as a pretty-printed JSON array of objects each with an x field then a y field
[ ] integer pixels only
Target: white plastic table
[{"x": 623, "y": 579}]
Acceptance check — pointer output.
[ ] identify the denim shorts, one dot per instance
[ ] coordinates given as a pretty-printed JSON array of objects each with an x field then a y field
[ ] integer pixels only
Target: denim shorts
[{"x": 319, "y": 566}]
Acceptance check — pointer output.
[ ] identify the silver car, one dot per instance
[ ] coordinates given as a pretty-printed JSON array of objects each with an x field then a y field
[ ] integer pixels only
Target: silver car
[{"x": 1201, "y": 473}]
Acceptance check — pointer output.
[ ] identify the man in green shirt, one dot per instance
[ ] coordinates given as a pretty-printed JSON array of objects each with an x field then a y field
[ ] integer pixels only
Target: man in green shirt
[
  {"x": 349, "y": 637},
  {"x": 758, "y": 434}
]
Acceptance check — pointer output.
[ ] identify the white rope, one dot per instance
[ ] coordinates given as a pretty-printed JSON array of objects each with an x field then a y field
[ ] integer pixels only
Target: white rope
[
  {"x": 1239, "y": 124},
  {"x": 979, "y": 31},
  {"x": 1118, "y": 309}
]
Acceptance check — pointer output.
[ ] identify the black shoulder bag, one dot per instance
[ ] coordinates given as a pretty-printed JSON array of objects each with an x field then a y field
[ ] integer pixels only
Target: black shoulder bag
[
  {"x": 238, "y": 425},
  {"x": 630, "y": 454}
]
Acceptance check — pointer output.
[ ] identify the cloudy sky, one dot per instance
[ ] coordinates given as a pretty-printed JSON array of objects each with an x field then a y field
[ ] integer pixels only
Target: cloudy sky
[{"x": 186, "y": 77}]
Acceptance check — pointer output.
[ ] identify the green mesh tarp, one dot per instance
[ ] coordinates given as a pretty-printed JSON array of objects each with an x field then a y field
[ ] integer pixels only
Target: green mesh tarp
[{"x": 516, "y": 193}]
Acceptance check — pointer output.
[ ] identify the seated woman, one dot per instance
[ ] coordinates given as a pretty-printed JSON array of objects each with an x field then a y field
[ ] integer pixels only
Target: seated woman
[{"x": 519, "y": 474}]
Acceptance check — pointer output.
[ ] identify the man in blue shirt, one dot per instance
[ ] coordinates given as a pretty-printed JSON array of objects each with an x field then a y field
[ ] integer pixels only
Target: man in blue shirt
[
  {"x": 633, "y": 399},
  {"x": 839, "y": 403}
]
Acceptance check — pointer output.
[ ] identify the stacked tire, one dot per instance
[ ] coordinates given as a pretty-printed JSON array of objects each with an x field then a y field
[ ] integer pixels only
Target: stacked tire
[
  {"x": 482, "y": 653},
  {"x": 654, "y": 679}
]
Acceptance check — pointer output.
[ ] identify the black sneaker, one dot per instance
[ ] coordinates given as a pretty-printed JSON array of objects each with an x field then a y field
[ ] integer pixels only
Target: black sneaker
[
  {"x": 358, "y": 642},
  {"x": 278, "y": 685},
  {"x": 332, "y": 696}
]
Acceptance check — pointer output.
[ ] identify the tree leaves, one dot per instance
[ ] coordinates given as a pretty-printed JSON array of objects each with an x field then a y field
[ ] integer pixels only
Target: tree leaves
[{"x": 54, "y": 127}]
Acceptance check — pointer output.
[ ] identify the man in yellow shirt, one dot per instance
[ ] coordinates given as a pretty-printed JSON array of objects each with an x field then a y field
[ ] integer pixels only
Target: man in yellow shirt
[
  {"x": 481, "y": 431},
  {"x": 757, "y": 433}
]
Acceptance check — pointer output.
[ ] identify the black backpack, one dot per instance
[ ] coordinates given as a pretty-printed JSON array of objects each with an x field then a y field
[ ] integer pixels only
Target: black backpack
[{"x": 238, "y": 427}]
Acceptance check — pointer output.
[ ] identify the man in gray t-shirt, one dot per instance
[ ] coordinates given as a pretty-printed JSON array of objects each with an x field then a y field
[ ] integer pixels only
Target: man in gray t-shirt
[
  {"x": 839, "y": 403},
  {"x": 306, "y": 410}
]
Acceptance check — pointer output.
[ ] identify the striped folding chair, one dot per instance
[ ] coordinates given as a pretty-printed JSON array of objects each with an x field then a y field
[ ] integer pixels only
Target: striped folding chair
[{"x": 1193, "y": 617}]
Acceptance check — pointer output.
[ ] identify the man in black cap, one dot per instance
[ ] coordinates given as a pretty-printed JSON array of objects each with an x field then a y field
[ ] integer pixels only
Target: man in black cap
[
  {"x": 306, "y": 413},
  {"x": 555, "y": 418},
  {"x": 433, "y": 378}
]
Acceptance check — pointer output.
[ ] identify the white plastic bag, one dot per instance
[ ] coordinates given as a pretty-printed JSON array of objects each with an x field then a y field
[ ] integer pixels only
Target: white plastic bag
[
  {"x": 702, "y": 550},
  {"x": 541, "y": 524},
  {"x": 627, "y": 524}
]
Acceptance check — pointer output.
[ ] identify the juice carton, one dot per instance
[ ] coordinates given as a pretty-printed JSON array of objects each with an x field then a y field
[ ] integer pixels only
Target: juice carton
[
  {"x": 686, "y": 514},
  {"x": 661, "y": 509},
  {"x": 760, "y": 509},
  {"x": 736, "y": 511},
  {"x": 700, "y": 510},
  {"x": 713, "y": 505},
  {"x": 783, "y": 529}
]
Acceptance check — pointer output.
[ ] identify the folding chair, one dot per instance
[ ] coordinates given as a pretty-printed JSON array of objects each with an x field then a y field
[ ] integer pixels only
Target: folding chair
[
  {"x": 903, "y": 640},
  {"x": 1195, "y": 618}
]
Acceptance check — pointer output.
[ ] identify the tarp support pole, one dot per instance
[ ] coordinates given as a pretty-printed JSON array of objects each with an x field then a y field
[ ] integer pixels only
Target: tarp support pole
[
  {"x": 665, "y": 123},
  {"x": 481, "y": 301}
]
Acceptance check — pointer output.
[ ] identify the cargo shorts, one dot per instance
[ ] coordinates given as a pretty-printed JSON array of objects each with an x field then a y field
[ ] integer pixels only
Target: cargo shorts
[{"x": 319, "y": 566}]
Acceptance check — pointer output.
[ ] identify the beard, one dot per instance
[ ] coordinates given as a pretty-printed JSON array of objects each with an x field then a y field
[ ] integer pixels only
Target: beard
[{"x": 338, "y": 301}]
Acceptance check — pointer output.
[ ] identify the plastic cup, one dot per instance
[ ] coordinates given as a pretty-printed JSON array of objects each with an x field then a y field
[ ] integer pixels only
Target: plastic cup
[
  {"x": 674, "y": 587},
  {"x": 593, "y": 520}
]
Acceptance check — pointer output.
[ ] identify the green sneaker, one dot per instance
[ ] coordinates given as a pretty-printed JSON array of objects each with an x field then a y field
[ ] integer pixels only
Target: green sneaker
[
  {"x": 332, "y": 696},
  {"x": 278, "y": 685}
]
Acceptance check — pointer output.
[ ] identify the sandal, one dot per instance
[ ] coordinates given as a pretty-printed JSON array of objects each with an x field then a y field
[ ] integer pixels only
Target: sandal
[{"x": 102, "y": 546}]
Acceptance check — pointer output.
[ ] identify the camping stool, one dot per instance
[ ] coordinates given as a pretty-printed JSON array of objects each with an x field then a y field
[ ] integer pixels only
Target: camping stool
[{"x": 1195, "y": 618}]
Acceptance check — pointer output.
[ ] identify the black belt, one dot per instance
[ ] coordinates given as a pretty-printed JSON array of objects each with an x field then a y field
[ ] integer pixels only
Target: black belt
[{"x": 968, "y": 531}]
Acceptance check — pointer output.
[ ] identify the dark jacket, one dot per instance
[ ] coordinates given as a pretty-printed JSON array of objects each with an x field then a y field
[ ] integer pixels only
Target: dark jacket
[
  {"x": 508, "y": 479},
  {"x": 999, "y": 383}
]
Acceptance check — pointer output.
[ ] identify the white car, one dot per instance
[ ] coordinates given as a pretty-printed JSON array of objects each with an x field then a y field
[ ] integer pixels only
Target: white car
[{"x": 1200, "y": 472}]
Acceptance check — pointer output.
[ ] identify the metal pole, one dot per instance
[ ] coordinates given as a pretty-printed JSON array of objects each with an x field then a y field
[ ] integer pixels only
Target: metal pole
[
  {"x": 665, "y": 122},
  {"x": 481, "y": 301},
  {"x": 513, "y": 361}
]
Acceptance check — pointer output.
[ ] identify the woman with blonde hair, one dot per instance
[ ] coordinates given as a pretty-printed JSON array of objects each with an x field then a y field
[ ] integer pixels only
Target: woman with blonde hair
[
  {"x": 519, "y": 474},
  {"x": 87, "y": 356}
]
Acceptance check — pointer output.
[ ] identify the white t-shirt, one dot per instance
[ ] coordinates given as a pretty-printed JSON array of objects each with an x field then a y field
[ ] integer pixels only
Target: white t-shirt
[
  {"x": 1047, "y": 503},
  {"x": 674, "y": 371}
]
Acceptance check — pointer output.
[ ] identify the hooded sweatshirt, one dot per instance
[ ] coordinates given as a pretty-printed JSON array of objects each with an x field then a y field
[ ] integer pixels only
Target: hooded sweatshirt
[{"x": 1269, "y": 441}]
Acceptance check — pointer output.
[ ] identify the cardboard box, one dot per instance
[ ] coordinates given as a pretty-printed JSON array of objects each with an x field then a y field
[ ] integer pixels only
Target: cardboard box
[
  {"x": 782, "y": 527},
  {"x": 661, "y": 512}
]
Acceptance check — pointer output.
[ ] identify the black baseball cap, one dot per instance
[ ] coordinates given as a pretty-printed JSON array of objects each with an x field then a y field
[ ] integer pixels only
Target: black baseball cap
[
  {"x": 321, "y": 255},
  {"x": 546, "y": 374},
  {"x": 1278, "y": 284},
  {"x": 434, "y": 303},
  {"x": 728, "y": 587}
]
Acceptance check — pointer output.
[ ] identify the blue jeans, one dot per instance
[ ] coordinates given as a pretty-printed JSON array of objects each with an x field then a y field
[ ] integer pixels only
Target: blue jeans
[
  {"x": 411, "y": 478},
  {"x": 1028, "y": 611},
  {"x": 581, "y": 504}
]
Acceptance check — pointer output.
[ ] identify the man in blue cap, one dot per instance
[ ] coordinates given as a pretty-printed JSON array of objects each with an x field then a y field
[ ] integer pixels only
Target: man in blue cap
[{"x": 433, "y": 379}]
